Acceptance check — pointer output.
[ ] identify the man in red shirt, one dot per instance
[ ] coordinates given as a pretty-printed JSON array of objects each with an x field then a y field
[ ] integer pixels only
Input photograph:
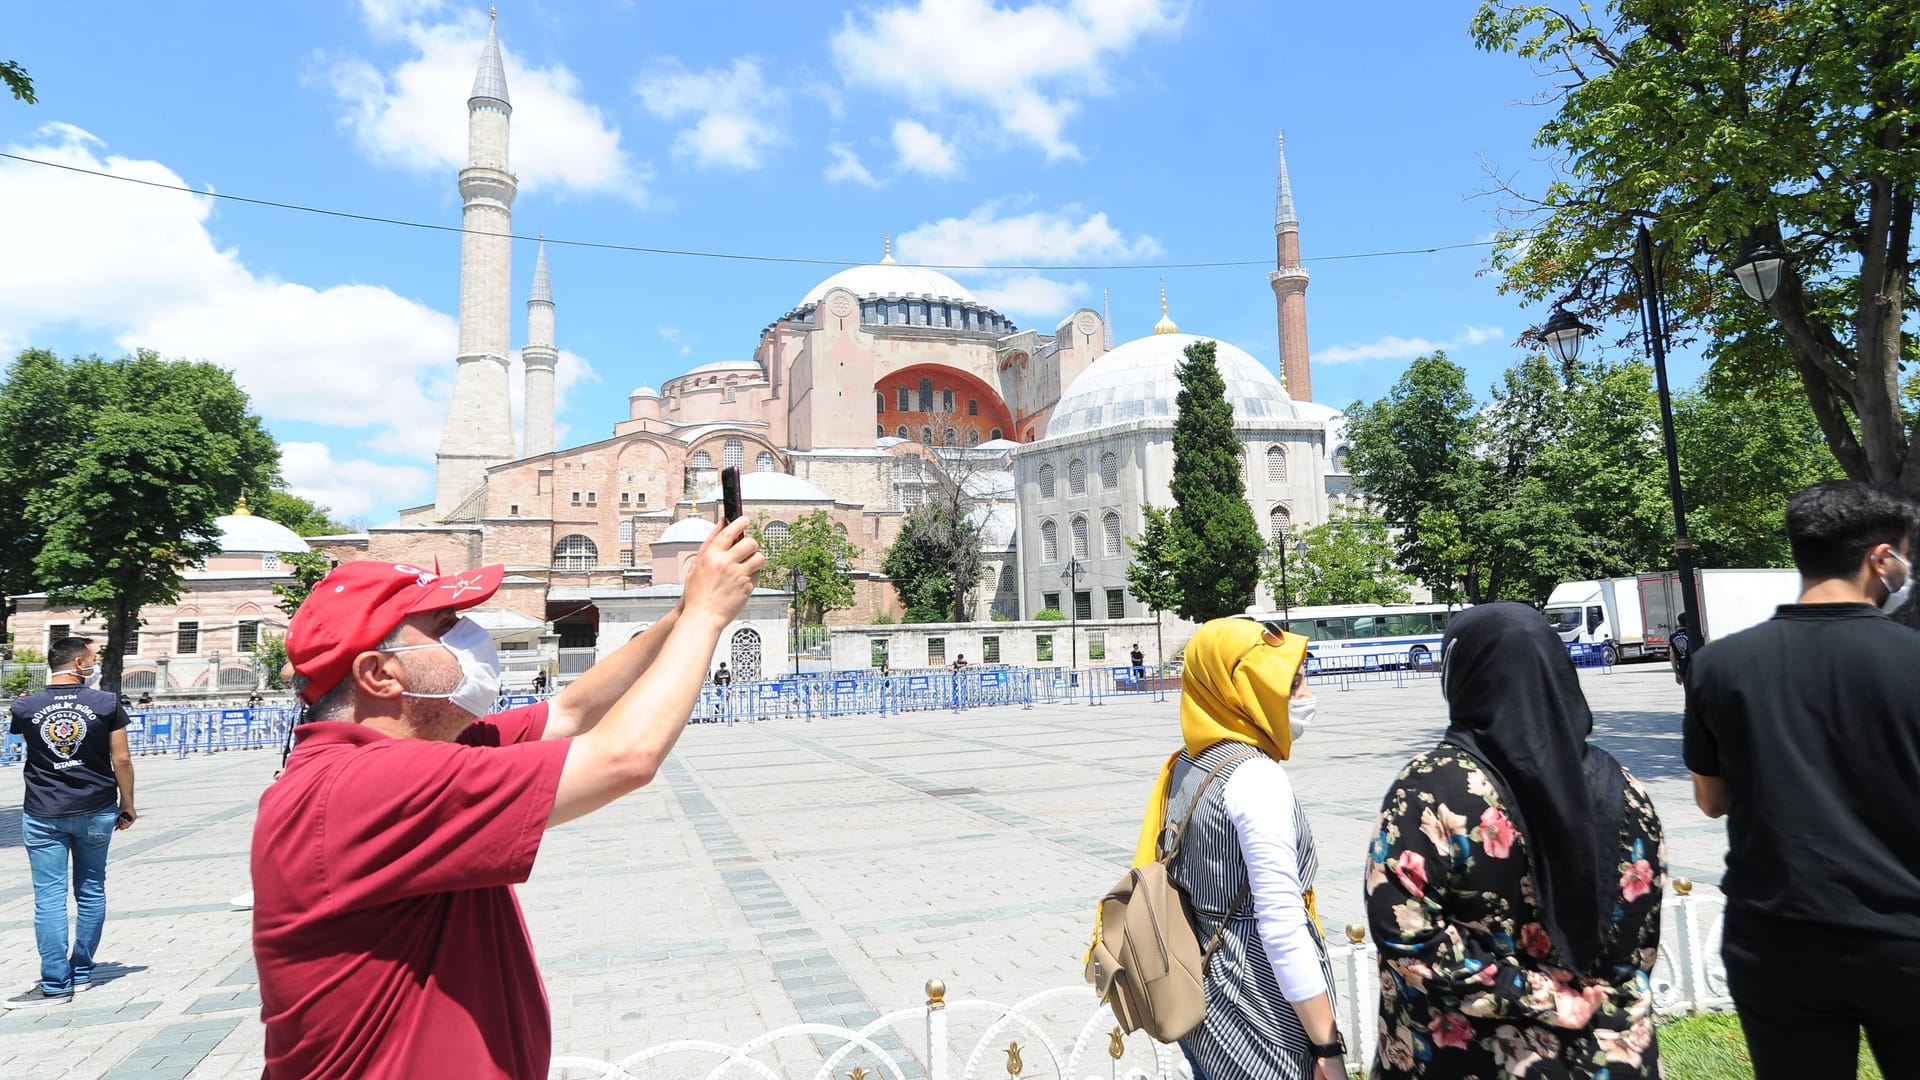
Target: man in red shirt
[{"x": 385, "y": 930}]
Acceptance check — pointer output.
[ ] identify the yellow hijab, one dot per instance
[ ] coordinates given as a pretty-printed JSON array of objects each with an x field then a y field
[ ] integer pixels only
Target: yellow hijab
[{"x": 1234, "y": 688}]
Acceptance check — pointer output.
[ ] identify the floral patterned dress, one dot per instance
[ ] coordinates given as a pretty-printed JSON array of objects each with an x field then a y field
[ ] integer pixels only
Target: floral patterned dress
[{"x": 1470, "y": 983}]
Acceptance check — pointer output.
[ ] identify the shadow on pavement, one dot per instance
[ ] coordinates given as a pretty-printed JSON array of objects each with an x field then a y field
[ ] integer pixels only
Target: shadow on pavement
[
  {"x": 1647, "y": 743},
  {"x": 104, "y": 973},
  {"x": 10, "y": 827}
]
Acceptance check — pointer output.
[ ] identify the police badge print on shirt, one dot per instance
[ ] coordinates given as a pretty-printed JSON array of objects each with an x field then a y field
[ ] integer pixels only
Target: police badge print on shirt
[{"x": 63, "y": 726}]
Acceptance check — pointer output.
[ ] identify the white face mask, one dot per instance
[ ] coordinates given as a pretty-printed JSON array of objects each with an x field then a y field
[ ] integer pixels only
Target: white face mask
[
  {"x": 479, "y": 685},
  {"x": 1899, "y": 596},
  {"x": 1300, "y": 715}
]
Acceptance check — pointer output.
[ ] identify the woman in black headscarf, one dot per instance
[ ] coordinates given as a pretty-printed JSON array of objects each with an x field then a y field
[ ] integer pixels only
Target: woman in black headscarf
[{"x": 1514, "y": 886}]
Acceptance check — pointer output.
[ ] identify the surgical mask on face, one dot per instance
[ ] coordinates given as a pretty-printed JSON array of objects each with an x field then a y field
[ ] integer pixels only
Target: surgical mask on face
[
  {"x": 1300, "y": 715},
  {"x": 472, "y": 646},
  {"x": 1899, "y": 596}
]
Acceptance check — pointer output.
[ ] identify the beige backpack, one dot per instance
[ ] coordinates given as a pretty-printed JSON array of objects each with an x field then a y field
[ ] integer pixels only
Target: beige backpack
[{"x": 1145, "y": 962}]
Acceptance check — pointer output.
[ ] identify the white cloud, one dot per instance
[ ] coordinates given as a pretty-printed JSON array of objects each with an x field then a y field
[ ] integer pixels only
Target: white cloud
[
  {"x": 734, "y": 106},
  {"x": 352, "y": 488},
  {"x": 985, "y": 236},
  {"x": 1029, "y": 65},
  {"x": 847, "y": 167},
  {"x": 138, "y": 264},
  {"x": 1394, "y": 347},
  {"x": 414, "y": 116},
  {"x": 918, "y": 148},
  {"x": 1031, "y": 294}
]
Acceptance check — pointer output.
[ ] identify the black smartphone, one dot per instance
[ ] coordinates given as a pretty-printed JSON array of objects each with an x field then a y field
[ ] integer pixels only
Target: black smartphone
[{"x": 730, "y": 494}]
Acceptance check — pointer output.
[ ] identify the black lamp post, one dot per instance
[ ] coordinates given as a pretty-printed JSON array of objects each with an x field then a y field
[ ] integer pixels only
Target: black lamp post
[
  {"x": 1285, "y": 541},
  {"x": 1071, "y": 575},
  {"x": 798, "y": 581}
]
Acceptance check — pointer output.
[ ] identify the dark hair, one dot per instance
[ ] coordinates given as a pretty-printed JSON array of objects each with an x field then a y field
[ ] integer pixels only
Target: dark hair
[
  {"x": 1833, "y": 524},
  {"x": 62, "y": 653}
]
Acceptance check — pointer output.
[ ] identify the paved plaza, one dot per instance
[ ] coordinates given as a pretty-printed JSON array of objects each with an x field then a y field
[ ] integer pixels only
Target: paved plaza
[{"x": 776, "y": 873}]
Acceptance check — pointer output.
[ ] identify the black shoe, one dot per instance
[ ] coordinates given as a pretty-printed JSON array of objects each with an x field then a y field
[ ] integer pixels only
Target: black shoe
[{"x": 37, "y": 997}]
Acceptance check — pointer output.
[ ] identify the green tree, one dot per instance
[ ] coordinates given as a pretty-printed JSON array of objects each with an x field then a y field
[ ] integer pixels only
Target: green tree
[
  {"x": 17, "y": 81},
  {"x": 304, "y": 516},
  {"x": 1214, "y": 539},
  {"x": 1744, "y": 450},
  {"x": 150, "y": 453},
  {"x": 822, "y": 553},
  {"x": 934, "y": 541},
  {"x": 1346, "y": 560},
  {"x": 307, "y": 568},
  {"x": 1718, "y": 123},
  {"x": 1153, "y": 574},
  {"x": 1412, "y": 453},
  {"x": 271, "y": 655}
]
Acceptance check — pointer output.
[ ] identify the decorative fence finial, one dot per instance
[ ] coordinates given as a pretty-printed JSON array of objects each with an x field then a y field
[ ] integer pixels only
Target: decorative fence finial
[
  {"x": 1014, "y": 1065},
  {"x": 1683, "y": 886},
  {"x": 936, "y": 994},
  {"x": 1356, "y": 932}
]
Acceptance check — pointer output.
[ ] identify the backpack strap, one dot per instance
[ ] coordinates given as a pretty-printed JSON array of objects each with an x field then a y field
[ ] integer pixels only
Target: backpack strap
[{"x": 1180, "y": 831}]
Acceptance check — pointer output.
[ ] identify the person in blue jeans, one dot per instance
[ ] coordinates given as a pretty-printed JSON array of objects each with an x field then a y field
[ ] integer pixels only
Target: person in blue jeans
[{"x": 79, "y": 781}]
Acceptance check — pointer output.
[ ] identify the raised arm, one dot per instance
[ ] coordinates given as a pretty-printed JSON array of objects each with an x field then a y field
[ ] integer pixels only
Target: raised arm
[
  {"x": 576, "y": 709},
  {"x": 623, "y": 748}
]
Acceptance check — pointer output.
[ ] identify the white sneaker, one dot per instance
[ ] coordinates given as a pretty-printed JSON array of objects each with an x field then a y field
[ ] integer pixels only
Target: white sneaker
[{"x": 243, "y": 902}]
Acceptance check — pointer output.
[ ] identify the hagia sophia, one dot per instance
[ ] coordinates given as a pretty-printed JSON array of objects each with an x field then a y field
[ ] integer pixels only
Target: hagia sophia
[{"x": 1062, "y": 437}]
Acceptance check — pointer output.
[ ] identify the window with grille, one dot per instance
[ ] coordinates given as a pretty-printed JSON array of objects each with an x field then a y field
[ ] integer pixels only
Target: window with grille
[
  {"x": 575, "y": 552},
  {"x": 926, "y": 395},
  {"x": 973, "y": 406},
  {"x": 133, "y": 642},
  {"x": 1043, "y": 648},
  {"x": 1110, "y": 529},
  {"x": 270, "y": 563},
  {"x": 948, "y": 437},
  {"x": 186, "y": 638},
  {"x": 777, "y": 534},
  {"x": 936, "y": 651},
  {"x": 247, "y": 635},
  {"x": 1006, "y": 578},
  {"x": 906, "y": 399},
  {"x": 1116, "y": 603},
  {"x": 946, "y": 401},
  {"x": 926, "y": 436},
  {"x": 1079, "y": 537},
  {"x": 1046, "y": 481},
  {"x": 1083, "y": 605},
  {"x": 1077, "y": 475},
  {"x": 990, "y": 648},
  {"x": 626, "y": 556},
  {"x": 1050, "y": 600},
  {"x": 626, "y": 532},
  {"x": 1109, "y": 470},
  {"x": 901, "y": 432},
  {"x": 1276, "y": 465},
  {"x": 702, "y": 459},
  {"x": 56, "y": 631},
  {"x": 764, "y": 462},
  {"x": 1279, "y": 519},
  {"x": 1049, "y": 542},
  {"x": 879, "y": 402},
  {"x": 732, "y": 453},
  {"x": 973, "y": 436}
]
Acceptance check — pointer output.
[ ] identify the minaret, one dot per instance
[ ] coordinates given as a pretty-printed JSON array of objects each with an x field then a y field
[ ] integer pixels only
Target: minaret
[
  {"x": 1290, "y": 290},
  {"x": 479, "y": 431},
  {"x": 538, "y": 357}
]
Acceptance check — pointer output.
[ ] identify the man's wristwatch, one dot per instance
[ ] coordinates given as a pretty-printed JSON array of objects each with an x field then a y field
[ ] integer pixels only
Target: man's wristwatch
[{"x": 1334, "y": 1049}]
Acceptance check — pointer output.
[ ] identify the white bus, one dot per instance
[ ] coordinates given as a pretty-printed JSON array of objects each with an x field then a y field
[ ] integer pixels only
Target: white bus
[{"x": 1346, "y": 637}]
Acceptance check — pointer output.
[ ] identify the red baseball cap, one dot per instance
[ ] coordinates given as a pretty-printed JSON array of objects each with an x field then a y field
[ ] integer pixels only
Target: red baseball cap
[{"x": 356, "y": 606}]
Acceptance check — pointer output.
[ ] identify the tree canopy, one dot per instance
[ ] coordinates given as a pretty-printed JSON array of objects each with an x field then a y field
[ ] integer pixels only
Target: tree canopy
[
  {"x": 1216, "y": 543},
  {"x": 304, "y": 516},
  {"x": 17, "y": 81},
  {"x": 1348, "y": 559},
  {"x": 1719, "y": 123},
  {"x": 822, "y": 553}
]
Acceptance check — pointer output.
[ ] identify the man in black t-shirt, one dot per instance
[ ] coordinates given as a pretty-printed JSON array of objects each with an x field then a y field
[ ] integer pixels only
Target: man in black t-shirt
[
  {"x": 1139, "y": 661},
  {"x": 1680, "y": 647},
  {"x": 79, "y": 779},
  {"x": 1804, "y": 732}
]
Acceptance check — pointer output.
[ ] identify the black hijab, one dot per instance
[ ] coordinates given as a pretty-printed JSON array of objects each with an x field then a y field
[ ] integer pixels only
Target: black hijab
[{"x": 1514, "y": 703}]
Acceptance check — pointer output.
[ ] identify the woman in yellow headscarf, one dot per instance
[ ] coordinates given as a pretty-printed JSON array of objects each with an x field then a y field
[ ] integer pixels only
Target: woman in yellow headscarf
[{"x": 1247, "y": 858}]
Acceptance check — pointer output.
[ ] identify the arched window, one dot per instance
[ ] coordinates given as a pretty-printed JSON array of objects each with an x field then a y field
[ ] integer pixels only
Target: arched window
[
  {"x": 1077, "y": 476},
  {"x": 1276, "y": 465},
  {"x": 1049, "y": 541},
  {"x": 1279, "y": 520},
  {"x": 926, "y": 396},
  {"x": 880, "y": 431},
  {"x": 764, "y": 463},
  {"x": 1110, "y": 529},
  {"x": 879, "y": 402},
  {"x": 1340, "y": 460},
  {"x": 996, "y": 435},
  {"x": 949, "y": 437},
  {"x": 776, "y": 534},
  {"x": 733, "y": 453},
  {"x": 1046, "y": 481},
  {"x": 973, "y": 406},
  {"x": 1006, "y": 577},
  {"x": 926, "y": 436},
  {"x": 1079, "y": 536},
  {"x": 901, "y": 432},
  {"x": 1109, "y": 470},
  {"x": 575, "y": 552},
  {"x": 702, "y": 459},
  {"x": 973, "y": 436}
]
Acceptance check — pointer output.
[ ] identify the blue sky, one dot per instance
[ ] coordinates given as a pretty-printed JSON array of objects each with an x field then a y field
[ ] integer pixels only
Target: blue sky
[{"x": 1028, "y": 131}]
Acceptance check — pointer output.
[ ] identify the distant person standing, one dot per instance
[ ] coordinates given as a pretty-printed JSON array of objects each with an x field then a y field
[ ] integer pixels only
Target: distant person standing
[
  {"x": 1139, "y": 661},
  {"x": 722, "y": 677},
  {"x": 79, "y": 780},
  {"x": 1804, "y": 732},
  {"x": 540, "y": 682},
  {"x": 1680, "y": 646}
]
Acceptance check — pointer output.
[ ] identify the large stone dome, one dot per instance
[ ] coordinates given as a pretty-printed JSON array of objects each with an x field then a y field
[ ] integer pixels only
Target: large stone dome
[
  {"x": 1136, "y": 381},
  {"x": 890, "y": 279},
  {"x": 246, "y": 534}
]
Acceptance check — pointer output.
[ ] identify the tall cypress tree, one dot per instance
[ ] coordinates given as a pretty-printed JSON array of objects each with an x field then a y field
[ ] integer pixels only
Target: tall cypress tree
[{"x": 1218, "y": 544}]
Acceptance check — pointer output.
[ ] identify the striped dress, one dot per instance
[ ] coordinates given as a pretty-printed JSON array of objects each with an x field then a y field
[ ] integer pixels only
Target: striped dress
[{"x": 1250, "y": 1031}]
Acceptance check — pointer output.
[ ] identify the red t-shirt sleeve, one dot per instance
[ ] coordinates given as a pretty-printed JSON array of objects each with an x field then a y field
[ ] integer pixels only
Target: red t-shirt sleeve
[
  {"x": 524, "y": 724},
  {"x": 409, "y": 817}
]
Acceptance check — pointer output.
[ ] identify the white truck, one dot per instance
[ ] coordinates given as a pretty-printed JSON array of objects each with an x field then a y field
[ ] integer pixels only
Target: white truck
[{"x": 1632, "y": 617}]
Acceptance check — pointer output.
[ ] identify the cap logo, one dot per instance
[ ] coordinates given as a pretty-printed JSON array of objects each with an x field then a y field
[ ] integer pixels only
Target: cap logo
[{"x": 463, "y": 585}]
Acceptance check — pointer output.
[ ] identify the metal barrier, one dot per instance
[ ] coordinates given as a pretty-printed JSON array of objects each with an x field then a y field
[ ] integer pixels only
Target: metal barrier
[
  {"x": 1345, "y": 670},
  {"x": 184, "y": 731}
]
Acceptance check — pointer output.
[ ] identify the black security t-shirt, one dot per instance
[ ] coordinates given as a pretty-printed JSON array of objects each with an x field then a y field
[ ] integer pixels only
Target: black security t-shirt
[
  {"x": 69, "y": 752},
  {"x": 1813, "y": 720}
]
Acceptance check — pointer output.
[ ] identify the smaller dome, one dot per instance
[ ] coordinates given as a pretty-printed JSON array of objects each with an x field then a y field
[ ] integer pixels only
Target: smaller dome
[
  {"x": 247, "y": 534},
  {"x": 690, "y": 530},
  {"x": 724, "y": 365},
  {"x": 643, "y": 390},
  {"x": 994, "y": 444},
  {"x": 772, "y": 487},
  {"x": 1137, "y": 381}
]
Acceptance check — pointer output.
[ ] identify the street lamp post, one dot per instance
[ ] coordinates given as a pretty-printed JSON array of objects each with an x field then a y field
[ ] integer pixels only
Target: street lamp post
[
  {"x": 1285, "y": 541},
  {"x": 1071, "y": 575},
  {"x": 799, "y": 582}
]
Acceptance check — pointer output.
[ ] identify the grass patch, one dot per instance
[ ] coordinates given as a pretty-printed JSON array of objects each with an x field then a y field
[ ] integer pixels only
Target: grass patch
[{"x": 1711, "y": 1047}]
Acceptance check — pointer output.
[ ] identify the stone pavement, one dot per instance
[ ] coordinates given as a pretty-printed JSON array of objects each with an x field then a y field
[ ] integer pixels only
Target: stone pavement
[{"x": 776, "y": 873}]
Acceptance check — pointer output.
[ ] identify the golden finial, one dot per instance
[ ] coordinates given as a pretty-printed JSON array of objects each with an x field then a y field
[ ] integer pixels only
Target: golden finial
[
  {"x": 1356, "y": 932},
  {"x": 1116, "y": 1044},
  {"x": 1165, "y": 325},
  {"x": 493, "y": 13},
  {"x": 1014, "y": 1065},
  {"x": 887, "y": 259},
  {"x": 936, "y": 994},
  {"x": 241, "y": 510},
  {"x": 859, "y": 1073},
  {"x": 1683, "y": 886}
]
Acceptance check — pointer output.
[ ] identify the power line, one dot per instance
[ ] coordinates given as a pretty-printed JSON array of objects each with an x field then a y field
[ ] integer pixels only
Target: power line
[{"x": 729, "y": 256}]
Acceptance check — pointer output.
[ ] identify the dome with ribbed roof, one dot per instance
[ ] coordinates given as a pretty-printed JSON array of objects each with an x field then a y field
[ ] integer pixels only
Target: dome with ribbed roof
[
  {"x": 891, "y": 279},
  {"x": 1137, "y": 382},
  {"x": 245, "y": 534}
]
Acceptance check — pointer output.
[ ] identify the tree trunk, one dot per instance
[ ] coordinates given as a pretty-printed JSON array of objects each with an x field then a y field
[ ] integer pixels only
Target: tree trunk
[{"x": 115, "y": 662}]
